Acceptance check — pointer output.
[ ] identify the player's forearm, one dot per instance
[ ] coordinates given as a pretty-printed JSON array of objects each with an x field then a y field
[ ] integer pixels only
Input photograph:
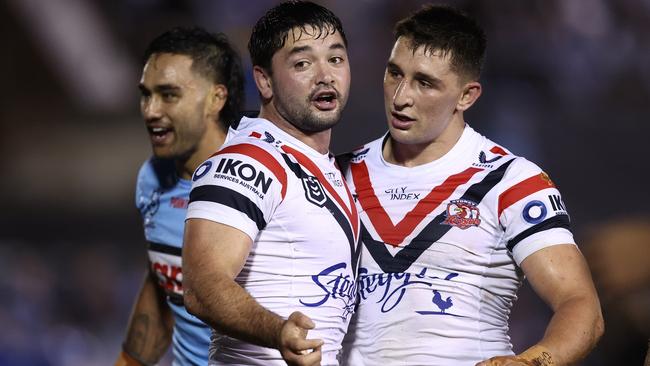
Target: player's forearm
[
  {"x": 227, "y": 307},
  {"x": 573, "y": 331},
  {"x": 150, "y": 327}
]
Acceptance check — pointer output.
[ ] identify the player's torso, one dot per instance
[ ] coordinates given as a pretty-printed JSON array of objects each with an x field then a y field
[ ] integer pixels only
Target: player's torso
[
  {"x": 163, "y": 213},
  {"x": 304, "y": 259},
  {"x": 433, "y": 261}
]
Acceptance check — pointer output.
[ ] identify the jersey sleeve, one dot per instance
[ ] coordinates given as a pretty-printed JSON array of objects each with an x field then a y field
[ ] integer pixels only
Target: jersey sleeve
[
  {"x": 143, "y": 187},
  {"x": 240, "y": 186},
  {"x": 531, "y": 211}
]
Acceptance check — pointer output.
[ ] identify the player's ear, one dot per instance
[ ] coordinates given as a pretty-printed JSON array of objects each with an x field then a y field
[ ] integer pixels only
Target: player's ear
[
  {"x": 217, "y": 98},
  {"x": 471, "y": 92},
  {"x": 263, "y": 82}
]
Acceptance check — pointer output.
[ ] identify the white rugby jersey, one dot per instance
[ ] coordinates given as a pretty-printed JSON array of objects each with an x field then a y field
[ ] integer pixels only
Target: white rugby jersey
[
  {"x": 441, "y": 247},
  {"x": 293, "y": 202}
]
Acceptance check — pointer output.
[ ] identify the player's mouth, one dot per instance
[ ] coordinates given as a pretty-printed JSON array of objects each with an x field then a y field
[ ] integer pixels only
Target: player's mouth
[
  {"x": 160, "y": 135},
  {"x": 325, "y": 100},
  {"x": 401, "y": 121}
]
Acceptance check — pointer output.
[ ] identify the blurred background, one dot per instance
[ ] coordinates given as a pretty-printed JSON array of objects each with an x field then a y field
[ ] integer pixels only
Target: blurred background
[{"x": 566, "y": 84}]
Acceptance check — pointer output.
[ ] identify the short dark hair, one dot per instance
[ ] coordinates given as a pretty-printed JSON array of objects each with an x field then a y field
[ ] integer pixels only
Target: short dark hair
[
  {"x": 445, "y": 29},
  {"x": 212, "y": 56},
  {"x": 271, "y": 30}
]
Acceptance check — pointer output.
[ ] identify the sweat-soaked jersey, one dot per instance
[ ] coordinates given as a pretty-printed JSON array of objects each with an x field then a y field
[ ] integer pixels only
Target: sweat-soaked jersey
[
  {"x": 442, "y": 243},
  {"x": 295, "y": 206}
]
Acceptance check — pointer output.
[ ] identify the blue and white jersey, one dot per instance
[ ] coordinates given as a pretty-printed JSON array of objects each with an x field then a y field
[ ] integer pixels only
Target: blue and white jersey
[{"x": 162, "y": 200}]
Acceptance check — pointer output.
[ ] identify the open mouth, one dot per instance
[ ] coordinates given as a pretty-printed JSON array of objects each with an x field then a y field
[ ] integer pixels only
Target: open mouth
[
  {"x": 324, "y": 100},
  {"x": 401, "y": 121},
  {"x": 402, "y": 117},
  {"x": 159, "y": 135}
]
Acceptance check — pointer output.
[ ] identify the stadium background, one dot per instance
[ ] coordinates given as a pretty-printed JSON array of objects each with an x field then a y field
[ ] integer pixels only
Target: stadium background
[{"x": 566, "y": 84}]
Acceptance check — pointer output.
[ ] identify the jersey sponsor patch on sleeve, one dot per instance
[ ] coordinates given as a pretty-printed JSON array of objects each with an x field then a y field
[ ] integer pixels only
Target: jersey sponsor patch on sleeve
[
  {"x": 240, "y": 186},
  {"x": 532, "y": 206}
]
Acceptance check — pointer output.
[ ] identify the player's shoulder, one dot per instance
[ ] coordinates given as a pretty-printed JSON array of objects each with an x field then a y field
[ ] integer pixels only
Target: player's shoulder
[
  {"x": 253, "y": 138},
  {"x": 157, "y": 173},
  {"x": 359, "y": 154},
  {"x": 521, "y": 165},
  {"x": 248, "y": 154},
  {"x": 494, "y": 155}
]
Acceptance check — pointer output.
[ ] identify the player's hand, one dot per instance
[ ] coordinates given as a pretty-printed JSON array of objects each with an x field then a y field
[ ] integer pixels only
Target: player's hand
[
  {"x": 295, "y": 348},
  {"x": 506, "y": 361},
  {"x": 536, "y": 355},
  {"x": 125, "y": 360}
]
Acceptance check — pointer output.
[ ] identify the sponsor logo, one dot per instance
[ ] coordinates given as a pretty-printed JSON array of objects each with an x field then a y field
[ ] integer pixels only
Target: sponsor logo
[
  {"x": 462, "y": 214},
  {"x": 333, "y": 179},
  {"x": 179, "y": 202},
  {"x": 268, "y": 137},
  {"x": 202, "y": 170},
  {"x": 557, "y": 203},
  {"x": 314, "y": 191},
  {"x": 393, "y": 288},
  {"x": 399, "y": 193},
  {"x": 482, "y": 158},
  {"x": 244, "y": 171},
  {"x": 534, "y": 212},
  {"x": 484, "y": 162},
  {"x": 336, "y": 283},
  {"x": 170, "y": 277}
]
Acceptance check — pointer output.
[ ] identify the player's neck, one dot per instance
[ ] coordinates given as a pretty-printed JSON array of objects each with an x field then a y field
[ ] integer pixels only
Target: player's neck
[
  {"x": 319, "y": 141},
  {"x": 211, "y": 141},
  {"x": 410, "y": 155}
]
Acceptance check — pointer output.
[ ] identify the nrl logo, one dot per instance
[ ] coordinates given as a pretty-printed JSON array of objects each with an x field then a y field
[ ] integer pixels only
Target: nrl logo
[
  {"x": 314, "y": 191},
  {"x": 462, "y": 214}
]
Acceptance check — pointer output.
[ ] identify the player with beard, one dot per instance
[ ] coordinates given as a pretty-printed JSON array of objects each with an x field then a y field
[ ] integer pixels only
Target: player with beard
[
  {"x": 191, "y": 90},
  {"x": 271, "y": 232}
]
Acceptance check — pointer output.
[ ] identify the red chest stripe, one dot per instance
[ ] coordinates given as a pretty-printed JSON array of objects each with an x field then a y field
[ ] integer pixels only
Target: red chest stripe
[
  {"x": 395, "y": 234},
  {"x": 313, "y": 169},
  {"x": 522, "y": 189},
  {"x": 263, "y": 157}
]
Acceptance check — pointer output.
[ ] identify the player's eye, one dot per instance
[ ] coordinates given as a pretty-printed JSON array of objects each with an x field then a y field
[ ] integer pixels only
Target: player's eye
[
  {"x": 336, "y": 60},
  {"x": 301, "y": 65},
  {"x": 424, "y": 84},
  {"x": 169, "y": 96}
]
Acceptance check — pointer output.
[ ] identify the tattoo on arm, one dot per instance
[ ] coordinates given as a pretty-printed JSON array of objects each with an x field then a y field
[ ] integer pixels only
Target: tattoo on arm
[
  {"x": 137, "y": 335},
  {"x": 144, "y": 342}
]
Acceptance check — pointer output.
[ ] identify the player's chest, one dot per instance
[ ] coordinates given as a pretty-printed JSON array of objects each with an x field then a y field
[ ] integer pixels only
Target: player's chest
[
  {"x": 163, "y": 214},
  {"x": 419, "y": 212}
]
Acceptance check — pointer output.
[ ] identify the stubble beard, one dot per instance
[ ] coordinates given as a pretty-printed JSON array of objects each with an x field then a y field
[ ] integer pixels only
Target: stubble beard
[{"x": 300, "y": 115}]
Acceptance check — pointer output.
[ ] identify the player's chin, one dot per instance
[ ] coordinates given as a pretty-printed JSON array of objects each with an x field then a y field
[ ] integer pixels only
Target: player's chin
[
  {"x": 164, "y": 152},
  {"x": 319, "y": 122},
  {"x": 403, "y": 136}
]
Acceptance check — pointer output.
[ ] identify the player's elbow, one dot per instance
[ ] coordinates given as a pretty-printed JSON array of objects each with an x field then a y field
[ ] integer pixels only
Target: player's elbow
[
  {"x": 191, "y": 302},
  {"x": 191, "y": 298}
]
